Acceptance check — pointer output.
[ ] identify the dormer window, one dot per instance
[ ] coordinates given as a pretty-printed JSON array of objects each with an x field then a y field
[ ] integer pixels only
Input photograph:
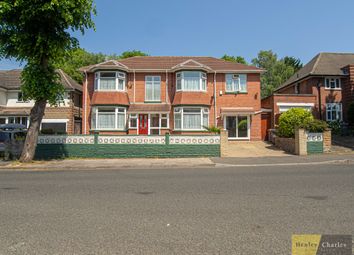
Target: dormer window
[
  {"x": 191, "y": 81},
  {"x": 236, "y": 83},
  {"x": 110, "y": 81}
]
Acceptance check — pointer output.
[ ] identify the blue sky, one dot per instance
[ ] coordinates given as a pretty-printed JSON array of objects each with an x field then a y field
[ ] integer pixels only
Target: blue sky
[{"x": 299, "y": 28}]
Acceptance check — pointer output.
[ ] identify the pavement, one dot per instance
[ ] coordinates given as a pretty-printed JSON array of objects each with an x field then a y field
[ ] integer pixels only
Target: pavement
[
  {"x": 253, "y": 149},
  {"x": 169, "y": 163},
  {"x": 207, "y": 210}
]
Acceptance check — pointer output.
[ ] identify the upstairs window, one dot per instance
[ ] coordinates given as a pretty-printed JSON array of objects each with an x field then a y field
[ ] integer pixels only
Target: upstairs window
[
  {"x": 332, "y": 83},
  {"x": 236, "y": 83},
  {"x": 191, "y": 81},
  {"x": 110, "y": 81},
  {"x": 152, "y": 88}
]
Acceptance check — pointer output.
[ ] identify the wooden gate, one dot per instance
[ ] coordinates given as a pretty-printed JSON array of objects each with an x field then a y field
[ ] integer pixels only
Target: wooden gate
[{"x": 265, "y": 124}]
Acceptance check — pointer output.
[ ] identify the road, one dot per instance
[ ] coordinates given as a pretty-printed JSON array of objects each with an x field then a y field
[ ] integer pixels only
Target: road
[{"x": 250, "y": 210}]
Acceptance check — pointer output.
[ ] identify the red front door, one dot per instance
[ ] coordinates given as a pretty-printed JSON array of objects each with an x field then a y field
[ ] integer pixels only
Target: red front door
[{"x": 143, "y": 124}]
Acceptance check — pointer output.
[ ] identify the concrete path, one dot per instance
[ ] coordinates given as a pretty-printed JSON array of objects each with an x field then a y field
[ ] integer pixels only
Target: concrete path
[{"x": 243, "y": 149}]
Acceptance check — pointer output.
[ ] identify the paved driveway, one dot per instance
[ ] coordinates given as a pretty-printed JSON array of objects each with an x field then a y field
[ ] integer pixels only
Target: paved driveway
[{"x": 242, "y": 149}]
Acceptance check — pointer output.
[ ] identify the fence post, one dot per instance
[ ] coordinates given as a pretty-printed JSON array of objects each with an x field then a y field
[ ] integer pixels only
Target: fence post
[
  {"x": 224, "y": 142},
  {"x": 167, "y": 139},
  {"x": 300, "y": 142},
  {"x": 327, "y": 140},
  {"x": 95, "y": 134}
]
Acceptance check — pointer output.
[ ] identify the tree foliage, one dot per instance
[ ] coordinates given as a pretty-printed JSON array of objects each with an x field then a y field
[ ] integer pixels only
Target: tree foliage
[
  {"x": 236, "y": 59},
  {"x": 38, "y": 32},
  {"x": 277, "y": 70},
  {"x": 79, "y": 57}
]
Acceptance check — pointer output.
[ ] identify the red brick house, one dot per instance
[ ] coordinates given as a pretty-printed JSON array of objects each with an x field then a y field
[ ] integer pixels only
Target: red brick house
[
  {"x": 65, "y": 118},
  {"x": 325, "y": 86},
  {"x": 179, "y": 95}
]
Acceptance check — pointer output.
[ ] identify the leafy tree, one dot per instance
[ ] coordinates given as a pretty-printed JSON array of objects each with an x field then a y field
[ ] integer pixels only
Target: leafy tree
[
  {"x": 277, "y": 70},
  {"x": 37, "y": 32},
  {"x": 294, "y": 62},
  {"x": 236, "y": 59},
  {"x": 133, "y": 53},
  {"x": 77, "y": 58}
]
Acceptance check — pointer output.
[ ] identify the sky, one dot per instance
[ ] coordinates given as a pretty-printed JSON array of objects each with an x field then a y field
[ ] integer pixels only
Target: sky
[{"x": 299, "y": 28}]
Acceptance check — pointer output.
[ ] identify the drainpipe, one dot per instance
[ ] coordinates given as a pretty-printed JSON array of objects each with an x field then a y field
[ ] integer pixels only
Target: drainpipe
[
  {"x": 134, "y": 88},
  {"x": 319, "y": 99},
  {"x": 166, "y": 92},
  {"x": 215, "y": 120},
  {"x": 85, "y": 103}
]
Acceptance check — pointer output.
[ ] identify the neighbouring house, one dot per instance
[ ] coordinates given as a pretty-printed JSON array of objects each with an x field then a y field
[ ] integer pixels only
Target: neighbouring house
[
  {"x": 65, "y": 118},
  {"x": 177, "y": 95},
  {"x": 325, "y": 86}
]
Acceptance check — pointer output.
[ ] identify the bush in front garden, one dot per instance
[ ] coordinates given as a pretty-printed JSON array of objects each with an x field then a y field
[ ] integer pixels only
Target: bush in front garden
[
  {"x": 315, "y": 126},
  {"x": 291, "y": 119},
  {"x": 335, "y": 126}
]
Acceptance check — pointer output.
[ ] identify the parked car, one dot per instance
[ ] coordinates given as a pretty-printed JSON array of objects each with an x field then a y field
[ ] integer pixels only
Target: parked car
[{"x": 12, "y": 138}]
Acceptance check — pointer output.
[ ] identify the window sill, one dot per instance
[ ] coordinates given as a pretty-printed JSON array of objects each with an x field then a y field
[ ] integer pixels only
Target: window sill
[
  {"x": 191, "y": 130},
  {"x": 108, "y": 130},
  {"x": 235, "y": 93},
  {"x": 101, "y": 90},
  {"x": 333, "y": 88},
  {"x": 152, "y": 102},
  {"x": 238, "y": 138},
  {"x": 192, "y": 91}
]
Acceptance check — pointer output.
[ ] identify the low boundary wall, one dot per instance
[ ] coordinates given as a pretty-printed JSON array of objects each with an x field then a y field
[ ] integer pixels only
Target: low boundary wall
[{"x": 100, "y": 146}]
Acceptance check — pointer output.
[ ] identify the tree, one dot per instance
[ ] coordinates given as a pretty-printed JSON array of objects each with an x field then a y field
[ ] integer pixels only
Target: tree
[
  {"x": 77, "y": 58},
  {"x": 277, "y": 70},
  {"x": 133, "y": 53},
  {"x": 37, "y": 32},
  {"x": 236, "y": 59}
]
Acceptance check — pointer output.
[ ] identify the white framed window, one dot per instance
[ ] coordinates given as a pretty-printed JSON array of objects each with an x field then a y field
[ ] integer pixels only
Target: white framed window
[
  {"x": 110, "y": 81},
  {"x": 17, "y": 120},
  {"x": 164, "y": 120},
  {"x": 191, "y": 118},
  {"x": 334, "y": 111},
  {"x": 152, "y": 88},
  {"x": 133, "y": 121},
  {"x": 108, "y": 118},
  {"x": 236, "y": 83},
  {"x": 238, "y": 127},
  {"x": 191, "y": 81},
  {"x": 332, "y": 83}
]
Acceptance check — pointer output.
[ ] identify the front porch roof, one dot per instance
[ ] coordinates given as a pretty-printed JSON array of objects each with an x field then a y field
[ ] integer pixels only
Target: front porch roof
[
  {"x": 110, "y": 98},
  {"x": 229, "y": 111},
  {"x": 149, "y": 108},
  {"x": 15, "y": 111}
]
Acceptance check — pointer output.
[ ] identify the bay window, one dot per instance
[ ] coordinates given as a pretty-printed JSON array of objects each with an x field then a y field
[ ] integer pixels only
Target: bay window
[
  {"x": 236, "y": 83},
  {"x": 332, "y": 83},
  {"x": 191, "y": 118},
  {"x": 191, "y": 81},
  {"x": 108, "y": 118},
  {"x": 110, "y": 81},
  {"x": 152, "y": 88},
  {"x": 334, "y": 111}
]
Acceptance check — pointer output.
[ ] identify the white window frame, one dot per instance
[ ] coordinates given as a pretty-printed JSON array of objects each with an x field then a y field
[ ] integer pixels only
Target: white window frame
[
  {"x": 339, "y": 110},
  {"x": 203, "y": 81},
  {"x": 116, "y": 111},
  {"x": 248, "y": 127},
  {"x": 236, "y": 83},
  {"x": 203, "y": 110},
  {"x": 329, "y": 80},
  {"x": 118, "y": 76},
  {"x": 7, "y": 119},
  {"x": 153, "y": 84},
  {"x": 131, "y": 116}
]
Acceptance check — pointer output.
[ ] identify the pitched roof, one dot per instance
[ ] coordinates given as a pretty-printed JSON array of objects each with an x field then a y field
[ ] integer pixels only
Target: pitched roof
[
  {"x": 12, "y": 80},
  {"x": 322, "y": 64},
  {"x": 169, "y": 63}
]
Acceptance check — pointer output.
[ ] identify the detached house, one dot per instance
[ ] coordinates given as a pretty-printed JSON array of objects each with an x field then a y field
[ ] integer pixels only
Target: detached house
[
  {"x": 179, "y": 95},
  {"x": 325, "y": 86},
  {"x": 65, "y": 118}
]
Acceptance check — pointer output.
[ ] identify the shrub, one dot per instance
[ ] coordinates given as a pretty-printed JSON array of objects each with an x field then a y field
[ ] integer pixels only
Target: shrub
[
  {"x": 336, "y": 126},
  {"x": 291, "y": 119},
  {"x": 316, "y": 126},
  {"x": 213, "y": 129},
  {"x": 351, "y": 114}
]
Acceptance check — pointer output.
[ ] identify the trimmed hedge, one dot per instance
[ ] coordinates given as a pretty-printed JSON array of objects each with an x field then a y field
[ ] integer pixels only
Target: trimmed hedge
[{"x": 292, "y": 119}]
